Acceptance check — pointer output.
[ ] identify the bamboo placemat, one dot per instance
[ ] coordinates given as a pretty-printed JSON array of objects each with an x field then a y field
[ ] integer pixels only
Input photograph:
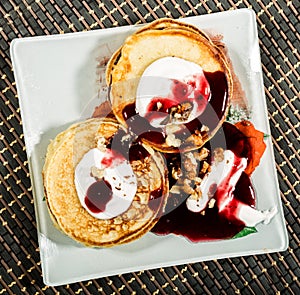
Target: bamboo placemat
[{"x": 278, "y": 273}]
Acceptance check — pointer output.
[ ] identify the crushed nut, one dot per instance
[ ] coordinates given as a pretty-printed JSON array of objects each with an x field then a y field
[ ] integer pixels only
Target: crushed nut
[
  {"x": 202, "y": 154},
  {"x": 190, "y": 166},
  {"x": 171, "y": 140},
  {"x": 97, "y": 172},
  {"x": 218, "y": 154},
  {"x": 204, "y": 128},
  {"x": 181, "y": 112},
  {"x": 126, "y": 137},
  {"x": 187, "y": 186},
  {"x": 101, "y": 144},
  {"x": 198, "y": 190},
  {"x": 125, "y": 227},
  {"x": 211, "y": 203},
  {"x": 158, "y": 105},
  {"x": 172, "y": 128},
  {"x": 192, "y": 159},
  {"x": 194, "y": 196},
  {"x": 196, "y": 139},
  {"x": 118, "y": 220},
  {"x": 197, "y": 180},
  {"x": 130, "y": 214},
  {"x": 205, "y": 167},
  {"x": 176, "y": 173},
  {"x": 176, "y": 189}
]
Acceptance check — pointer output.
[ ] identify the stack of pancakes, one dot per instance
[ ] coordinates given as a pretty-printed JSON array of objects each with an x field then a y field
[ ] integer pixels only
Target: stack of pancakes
[
  {"x": 64, "y": 153},
  {"x": 159, "y": 39}
]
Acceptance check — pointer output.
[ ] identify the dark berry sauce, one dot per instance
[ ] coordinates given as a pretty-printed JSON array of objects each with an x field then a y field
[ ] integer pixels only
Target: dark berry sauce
[
  {"x": 98, "y": 195},
  {"x": 156, "y": 199},
  {"x": 211, "y": 107},
  {"x": 121, "y": 147},
  {"x": 195, "y": 90},
  {"x": 141, "y": 126},
  {"x": 197, "y": 227},
  {"x": 213, "y": 225},
  {"x": 127, "y": 146}
]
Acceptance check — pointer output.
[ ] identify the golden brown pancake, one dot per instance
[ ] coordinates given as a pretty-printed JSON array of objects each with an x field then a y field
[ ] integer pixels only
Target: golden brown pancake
[
  {"x": 160, "y": 24},
  {"x": 63, "y": 155},
  {"x": 164, "y": 38}
]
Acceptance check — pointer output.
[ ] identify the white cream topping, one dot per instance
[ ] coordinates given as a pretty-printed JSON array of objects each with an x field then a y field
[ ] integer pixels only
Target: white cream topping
[
  {"x": 119, "y": 175},
  {"x": 157, "y": 80},
  {"x": 252, "y": 217},
  {"x": 219, "y": 171}
]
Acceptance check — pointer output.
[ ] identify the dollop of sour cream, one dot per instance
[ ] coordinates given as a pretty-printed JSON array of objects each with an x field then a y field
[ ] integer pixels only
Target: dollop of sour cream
[
  {"x": 224, "y": 176},
  {"x": 169, "y": 82},
  {"x": 219, "y": 172},
  {"x": 117, "y": 173}
]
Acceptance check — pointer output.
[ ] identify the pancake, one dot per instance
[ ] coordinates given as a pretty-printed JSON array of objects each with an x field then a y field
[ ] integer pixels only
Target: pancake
[
  {"x": 64, "y": 154},
  {"x": 160, "y": 24},
  {"x": 165, "y": 38}
]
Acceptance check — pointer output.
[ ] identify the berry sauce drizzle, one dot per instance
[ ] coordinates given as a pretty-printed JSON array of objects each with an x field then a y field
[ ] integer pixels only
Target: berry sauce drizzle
[
  {"x": 212, "y": 225},
  {"x": 98, "y": 195},
  {"x": 212, "y": 110}
]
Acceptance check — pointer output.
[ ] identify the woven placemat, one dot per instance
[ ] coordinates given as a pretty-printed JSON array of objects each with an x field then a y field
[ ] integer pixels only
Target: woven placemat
[{"x": 277, "y": 273}]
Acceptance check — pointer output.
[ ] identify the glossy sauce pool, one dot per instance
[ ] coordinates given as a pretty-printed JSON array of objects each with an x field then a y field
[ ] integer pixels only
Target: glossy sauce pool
[
  {"x": 213, "y": 112},
  {"x": 212, "y": 225}
]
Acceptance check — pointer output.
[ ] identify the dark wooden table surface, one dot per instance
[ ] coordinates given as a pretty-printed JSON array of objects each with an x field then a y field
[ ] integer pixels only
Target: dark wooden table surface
[{"x": 278, "y": 28}]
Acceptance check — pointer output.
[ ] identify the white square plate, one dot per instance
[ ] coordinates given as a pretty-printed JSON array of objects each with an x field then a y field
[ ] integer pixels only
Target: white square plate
[{"x": 58, "y": 80}]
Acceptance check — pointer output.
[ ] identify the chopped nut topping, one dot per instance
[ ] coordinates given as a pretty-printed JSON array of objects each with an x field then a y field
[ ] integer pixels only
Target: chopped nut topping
[
  {"x": 101, "y": 144},
  {"x": 198, "y": 180},
  {"x": 191, "y": 158},
  {"x": 198, "y": 190},
  {"x": 118, "y": 220},
  {"x": 190, "y": 165},
  {"x": 97, "y": 173},
  {"x": 204, "y": 128},
  {"x": 125, "y": 227},
  {"x": 187, "y": 186},
  {"x": 218, "y": 155},
  {"x": 202, "y": 154},
  {"x": 172, "y": 128},
  {"x": 176, "y": 173},
  {"x": 205, "y": 167},
  {"x": 194, "y": 195},
  {"x": 125, "y": 137},
  {"x": 171, "y": 140},
  {"x": 158, "y": 105},
  {"x": 130, "y": 214},
  {"x": 181, "y": 112},
  {"x": 211, "y": 203},
  {"x": 196, "y": 139},
  {"x": 176, "y": 189}
]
